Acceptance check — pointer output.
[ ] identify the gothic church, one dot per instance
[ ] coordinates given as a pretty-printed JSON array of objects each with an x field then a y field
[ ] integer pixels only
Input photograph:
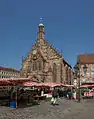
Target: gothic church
[{"x": 45, "y": 64}]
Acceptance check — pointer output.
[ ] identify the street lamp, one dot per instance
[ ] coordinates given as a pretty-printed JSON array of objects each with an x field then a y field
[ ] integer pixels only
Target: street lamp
[{"x": 77, "y": 68}]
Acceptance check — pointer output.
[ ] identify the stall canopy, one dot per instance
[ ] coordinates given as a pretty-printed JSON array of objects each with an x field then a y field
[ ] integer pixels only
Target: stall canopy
[
  {"x": 42, "y": 84},
  {"x": 66, "y": 85},
  {"x": 13, "y": 81},
  {"x": 28, "y": 82},
  {"x": 87, "y": 86}
]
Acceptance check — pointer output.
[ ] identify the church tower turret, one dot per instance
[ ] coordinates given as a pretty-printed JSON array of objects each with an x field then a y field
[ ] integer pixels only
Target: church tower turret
[{"x": 41, "y": 31}]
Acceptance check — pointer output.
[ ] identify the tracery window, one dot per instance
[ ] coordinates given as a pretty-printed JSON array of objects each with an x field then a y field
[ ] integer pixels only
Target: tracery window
[
  {"x": 34, "y": 66},
  {"x": 40, "y": 65},
  {"x": 54, "y": 72}
]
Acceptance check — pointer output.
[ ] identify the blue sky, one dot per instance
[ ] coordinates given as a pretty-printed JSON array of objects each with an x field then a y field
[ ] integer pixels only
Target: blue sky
[{"x": 69, "y": 26}]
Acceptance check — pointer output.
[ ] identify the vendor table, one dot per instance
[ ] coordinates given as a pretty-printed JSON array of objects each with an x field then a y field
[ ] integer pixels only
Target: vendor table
[{"x": 39, "y": 97}]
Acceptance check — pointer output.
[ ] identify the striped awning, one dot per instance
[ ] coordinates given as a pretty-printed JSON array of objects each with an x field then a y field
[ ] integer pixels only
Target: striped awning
[
  {"x": 87, "y": 86},
  {"x": 12, "y": 81},
  {"x": 42, "y": 84}
]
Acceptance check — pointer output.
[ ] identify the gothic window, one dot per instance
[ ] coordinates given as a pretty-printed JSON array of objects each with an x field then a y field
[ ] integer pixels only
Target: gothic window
[
  {"x": 54, "y": 72},
  {"x": 40, "y": 67},
  {"x": 34, "y": 66},
  {"x": 66, "y": 73},
  {"x": 28, "y": 68}
]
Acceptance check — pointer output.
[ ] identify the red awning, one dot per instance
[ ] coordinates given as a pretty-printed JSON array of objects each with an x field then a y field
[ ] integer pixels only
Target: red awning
[
  {"x": 66, "y": 85},
  {"x": 41, "y": 84},
  {"x": 87, "y": 86},
  {"x": 12, "y": 81},
  {"x": 53, "y": 84},
  {"x": 29, "y": 84}
]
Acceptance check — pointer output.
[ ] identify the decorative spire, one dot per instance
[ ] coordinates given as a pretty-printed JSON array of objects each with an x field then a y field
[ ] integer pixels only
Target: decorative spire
[
  {"x": 41, "y": 30},
  {"x": 41, "y": 20}
]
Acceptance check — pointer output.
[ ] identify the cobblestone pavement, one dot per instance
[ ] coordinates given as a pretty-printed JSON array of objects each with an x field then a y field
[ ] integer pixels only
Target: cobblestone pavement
[{"x": 65, "y": 110}]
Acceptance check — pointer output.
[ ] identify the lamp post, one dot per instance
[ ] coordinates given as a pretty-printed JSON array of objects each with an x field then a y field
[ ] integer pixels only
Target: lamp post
[{"x": 77, "y": 68}]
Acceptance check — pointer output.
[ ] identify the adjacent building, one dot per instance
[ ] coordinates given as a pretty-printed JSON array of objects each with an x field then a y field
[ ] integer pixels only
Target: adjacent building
[
  {"x": 88, "y": 60},
  {"x": 9, "y": 72},
  {"x": 45, "y": 64}
]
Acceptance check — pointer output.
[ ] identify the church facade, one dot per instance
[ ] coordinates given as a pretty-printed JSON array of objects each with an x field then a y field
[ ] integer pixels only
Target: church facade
[{"x": 45, "y": 64}]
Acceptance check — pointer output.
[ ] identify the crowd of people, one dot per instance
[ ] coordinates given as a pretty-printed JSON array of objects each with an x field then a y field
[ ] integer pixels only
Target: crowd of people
[{"x": 66, "y": 93}]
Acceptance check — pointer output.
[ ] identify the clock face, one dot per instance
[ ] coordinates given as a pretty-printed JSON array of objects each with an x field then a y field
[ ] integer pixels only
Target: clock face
[{"x": 34, "y": 52}]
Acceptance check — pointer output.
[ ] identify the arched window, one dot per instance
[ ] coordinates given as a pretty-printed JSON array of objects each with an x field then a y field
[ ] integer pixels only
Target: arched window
[
  {"x": 34, "y": 66},
  {"x": 54, "y": 72},
  {"x": 40, "y": 67},
  {"x": 67, "y": 74}
]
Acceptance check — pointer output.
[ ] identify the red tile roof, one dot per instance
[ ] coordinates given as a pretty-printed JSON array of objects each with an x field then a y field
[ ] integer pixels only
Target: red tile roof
[
  {"x": 8, "y": 69},
  {"x": 86, "y": 58}
]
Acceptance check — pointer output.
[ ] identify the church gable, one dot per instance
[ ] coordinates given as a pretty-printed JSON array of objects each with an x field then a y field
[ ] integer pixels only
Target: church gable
[
  {"x": 47, "y": 51},
  {"x": 44, "y": 63},
  {"x": 41, "y": 53},
  {"x": 52, "y": 53}
]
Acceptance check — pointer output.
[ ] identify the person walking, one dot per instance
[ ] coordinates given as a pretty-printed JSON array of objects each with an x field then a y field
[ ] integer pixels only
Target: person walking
[
  {"x": 54, "y": 96},
  {"x": 74, "y": 95}
]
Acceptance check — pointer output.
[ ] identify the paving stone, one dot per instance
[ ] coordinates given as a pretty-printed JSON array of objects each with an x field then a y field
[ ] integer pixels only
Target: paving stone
[{"x": 65, "y": 110}]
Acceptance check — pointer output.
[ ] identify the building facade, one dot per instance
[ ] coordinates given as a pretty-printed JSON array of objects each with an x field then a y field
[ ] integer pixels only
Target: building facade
[
  {"x": 9, "y": 72},
  {"x": 45, "y": 64},
  {"x": 88, "y": 60}
]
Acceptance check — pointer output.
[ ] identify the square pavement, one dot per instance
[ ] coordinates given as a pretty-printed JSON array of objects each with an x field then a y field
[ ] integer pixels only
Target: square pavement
[{"x": 67, "y": 109}]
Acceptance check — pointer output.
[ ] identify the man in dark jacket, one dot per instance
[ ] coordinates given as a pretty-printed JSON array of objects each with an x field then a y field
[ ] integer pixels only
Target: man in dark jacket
[{"x": 55, "y": 95}]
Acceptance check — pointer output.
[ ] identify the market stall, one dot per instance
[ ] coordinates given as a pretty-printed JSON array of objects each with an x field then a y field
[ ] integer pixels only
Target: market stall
[
  {"x": 88, "y": 90},
  {"x": 42, "y": 87},
  {"x": 11, "y": 85}
]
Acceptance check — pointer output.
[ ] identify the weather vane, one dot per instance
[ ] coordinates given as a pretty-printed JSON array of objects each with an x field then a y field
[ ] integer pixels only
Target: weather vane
[{"x": 41, "y": 19}]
